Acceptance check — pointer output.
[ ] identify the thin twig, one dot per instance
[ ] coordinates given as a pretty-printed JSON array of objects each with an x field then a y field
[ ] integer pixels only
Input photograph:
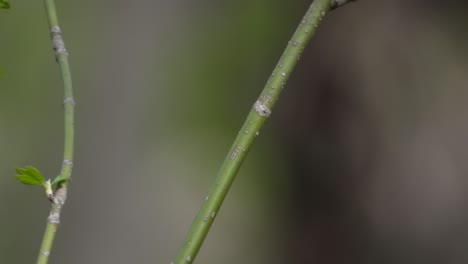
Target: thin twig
[
  {"x": 60, "y": 195},
  {"x": 260, "y": 111}
]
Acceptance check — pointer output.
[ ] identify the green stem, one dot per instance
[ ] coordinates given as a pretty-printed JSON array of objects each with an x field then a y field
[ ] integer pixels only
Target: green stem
[
  {"x": 252, "y": 125},
  {"x": 60, "y": 195}
]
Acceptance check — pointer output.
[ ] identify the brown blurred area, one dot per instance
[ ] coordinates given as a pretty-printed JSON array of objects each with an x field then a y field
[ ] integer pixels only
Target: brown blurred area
[
  {"x": 362, "y": 161},
  {"x": 378, "y": 151}
]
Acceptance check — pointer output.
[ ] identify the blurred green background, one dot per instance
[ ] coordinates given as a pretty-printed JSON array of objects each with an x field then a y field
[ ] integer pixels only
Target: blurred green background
[{"x": 363, "y": 160}]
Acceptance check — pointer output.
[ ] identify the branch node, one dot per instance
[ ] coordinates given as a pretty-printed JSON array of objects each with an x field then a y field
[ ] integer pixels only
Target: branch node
[
  {"x": 68, "y": 162},
  {"x": 235, "y": 152},
  {"x": 57, "y": 41},
  {"x": 69, "y": 100},
  {"x": 261, "y": 109},
  {"x": 54, "y": 216},
  {"x": 60, "y": 195}
]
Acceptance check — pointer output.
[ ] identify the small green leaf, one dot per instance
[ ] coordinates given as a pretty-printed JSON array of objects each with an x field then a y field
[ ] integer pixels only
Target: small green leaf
[
  {"x": 4, "y": 4},
  {"x": 60, "y": 179},
  {"x": 20, "y": 171},
  {"x": 35, "y": 173},
  {"x": 26, "y": 179},
  {"x": 30, "y": 176}
]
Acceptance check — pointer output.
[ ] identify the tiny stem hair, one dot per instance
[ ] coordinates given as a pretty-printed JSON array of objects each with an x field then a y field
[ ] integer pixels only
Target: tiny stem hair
[
  {"x": 60, "y": 194},
  {"x": 257, "y": 116}
]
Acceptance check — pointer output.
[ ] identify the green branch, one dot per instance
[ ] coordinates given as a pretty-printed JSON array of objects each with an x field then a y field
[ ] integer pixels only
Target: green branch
[
  {"x": 260, "y": 111},
  {"x": 60, "y": 195},
  {"x": 4, "y": 4}
]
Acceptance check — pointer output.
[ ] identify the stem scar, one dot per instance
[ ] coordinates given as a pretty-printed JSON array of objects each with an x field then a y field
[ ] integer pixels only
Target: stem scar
[{"x": 261, "y": 109}]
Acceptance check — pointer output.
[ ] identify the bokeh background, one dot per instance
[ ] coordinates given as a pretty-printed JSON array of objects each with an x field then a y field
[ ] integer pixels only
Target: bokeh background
[{"x": 364, "y": 159}]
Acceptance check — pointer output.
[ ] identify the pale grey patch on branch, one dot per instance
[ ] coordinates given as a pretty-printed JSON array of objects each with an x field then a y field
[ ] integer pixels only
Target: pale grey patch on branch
[
  {"x": 261, "y": 109},
  {"x": 68, "y": 162},
  {"x": 235, "y": 152},
  {"x": 69, "y": 100},
  {"x": 60, "y": 195},
  {"x": 54, "y": 217},
  {"x": 57, "y": 41}
]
